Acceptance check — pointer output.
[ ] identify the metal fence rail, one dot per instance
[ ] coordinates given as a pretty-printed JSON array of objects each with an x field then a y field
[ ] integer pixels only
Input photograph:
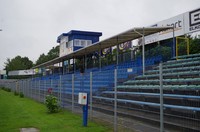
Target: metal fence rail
[{"x": 128, "y": 105}]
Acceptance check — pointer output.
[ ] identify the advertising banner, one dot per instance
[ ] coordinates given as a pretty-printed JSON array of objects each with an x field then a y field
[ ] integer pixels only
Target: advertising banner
[
  {"x": 177, "y": 22},
  {"x": 125, "y": 46},
  {"x": 2, "y": 72},
  {"x": 21, "y": 72},
  {"x": 185, "y": 23},
  {"x": 192, "y": 20}
]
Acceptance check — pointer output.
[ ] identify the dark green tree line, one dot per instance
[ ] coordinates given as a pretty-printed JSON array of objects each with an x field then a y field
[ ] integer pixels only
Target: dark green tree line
[
  {"x": 52, "y": 54},
  {"x": 18, "y": 63}
]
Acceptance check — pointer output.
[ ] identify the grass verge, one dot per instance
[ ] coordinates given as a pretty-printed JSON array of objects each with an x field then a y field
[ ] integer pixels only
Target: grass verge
[{"x": 16, "y": 113}]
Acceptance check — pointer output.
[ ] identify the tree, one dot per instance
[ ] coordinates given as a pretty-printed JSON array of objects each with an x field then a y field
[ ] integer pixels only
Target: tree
[
  {"x": 43, "y": 58},
  {"x": 195, "y": 45},
  {"x": 18, "y": 63},
  {"x": 52, "y": 54}
]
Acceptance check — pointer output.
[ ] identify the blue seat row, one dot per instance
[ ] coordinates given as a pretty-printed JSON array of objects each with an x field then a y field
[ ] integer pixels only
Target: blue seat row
[
  {"x": 154, "y": 94},
  {"x": 150, "y": 104}
]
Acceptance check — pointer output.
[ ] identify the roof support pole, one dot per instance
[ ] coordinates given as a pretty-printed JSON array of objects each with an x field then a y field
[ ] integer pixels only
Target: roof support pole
[
  {"x": 59, "y": 68},
  {"x": 174, "y": 44},
  {"x": 143, "y": 49},
  {"x": 117, "y": 57},
  {"x": 93, "y": 61},
  {"x": 100, "y": 57},
  {"x": 68, "y": 64},
  {"x": 74, "y": 65},
  {"x": 53, "y": 69},
  {"x": 85, "y": 62},
  {"x": 143, "y": 53},
  {"x": 63, "y": 67}
]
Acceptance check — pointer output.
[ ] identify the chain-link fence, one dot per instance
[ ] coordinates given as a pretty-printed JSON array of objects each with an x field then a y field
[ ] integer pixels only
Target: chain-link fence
[{"x": 126, "y": 97}]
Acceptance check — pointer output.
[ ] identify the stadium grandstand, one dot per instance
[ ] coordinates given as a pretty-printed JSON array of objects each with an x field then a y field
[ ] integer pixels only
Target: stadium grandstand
[{"x": 124, "y": 74}]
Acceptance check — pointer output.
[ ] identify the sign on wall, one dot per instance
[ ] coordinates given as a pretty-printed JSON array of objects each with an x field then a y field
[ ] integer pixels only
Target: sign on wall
[
  {"x": 185, "y": 23},
  {"x": 2, "y": 72},
  {"x": 192, "y": 19},
  {"x": 21, "y": 72}
]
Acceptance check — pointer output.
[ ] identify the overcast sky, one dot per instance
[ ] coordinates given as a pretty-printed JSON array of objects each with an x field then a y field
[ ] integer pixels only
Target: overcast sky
[{"x": 31, "y": 27}]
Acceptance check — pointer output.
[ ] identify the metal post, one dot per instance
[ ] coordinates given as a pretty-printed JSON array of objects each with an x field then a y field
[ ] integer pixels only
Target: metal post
[
  {"x": 161, "y": 98},
  {"x": 68, "y": 63},
  {"x": 45, "y": 89},
  {"x": 63, "y": 67},
  {"x": 115, "y": 102},
  {"x": 176, "y": 48},
  {"x": 85, "y": 114},
  {"x": 143, "y": 49},
  {"x": 74, "y": 64},
  {"x": 174, "y": 44},
  {"x": 25, "y": 92},
  {"x": 60, "y": 83},
  {"x": 28, "y": 88},
  {"x": 16, "y": 86},
  {"x": 143, "y": 53},
  {"x": 117, "y": 56},
  {"x": 91, "y": 96},
  {"x": 31, "y": 89},
  {"x": 39, "y": 89},
  {"x": 85, "y": 62},
  {"x": 35, "y": 90},
  {"x": 72, "y": 93},
  {"x": 51, "y": 85},
  {"x": 188, "y": 45},
  {"x": 23, "y": 86},
  {"x": 100, "y": 57}
]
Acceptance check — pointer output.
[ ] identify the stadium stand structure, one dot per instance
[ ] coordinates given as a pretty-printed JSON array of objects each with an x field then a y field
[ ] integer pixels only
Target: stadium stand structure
[
  {"x": 137, "y": 74},
  {"x": 138, "y": 98}
]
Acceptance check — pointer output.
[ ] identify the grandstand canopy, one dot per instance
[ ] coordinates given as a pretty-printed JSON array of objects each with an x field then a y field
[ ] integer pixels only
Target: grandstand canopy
[{"x": 128, "y": 35}]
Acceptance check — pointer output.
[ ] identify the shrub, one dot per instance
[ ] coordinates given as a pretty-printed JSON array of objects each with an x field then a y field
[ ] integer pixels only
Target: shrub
[
  {"x": 51, "y": 103},
  {"x": 8, "y": 90},
  {"x": 21, "y": 95},
  {"x": 16, "y": 93}
]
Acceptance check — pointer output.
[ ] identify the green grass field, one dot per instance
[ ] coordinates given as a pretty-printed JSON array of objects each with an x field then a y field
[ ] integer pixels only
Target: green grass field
[{"x": 16, "y": 113}]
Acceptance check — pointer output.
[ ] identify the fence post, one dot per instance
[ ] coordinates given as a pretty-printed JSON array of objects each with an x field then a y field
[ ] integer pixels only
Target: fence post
[
  {"x": 161, "y": 98},
  {"x": 39, "y": 89},
  {"x": 28, "y": 92},
  {"x": 72, "y": 93},
  {"x": 30, "y": 84},
  {"x": 115, "y": 102},
  {"x": 36, "y": 94},
  {"x": 60, "y": 83},
  {"x": 26, "y": 87},
  {"x": 51, "y": 84},
  {"x": 22, "y": 87},
  {"x": 91, "y": 96},
  {"x": 45, "y": 90},
  {"x": 15, "y": 86}
]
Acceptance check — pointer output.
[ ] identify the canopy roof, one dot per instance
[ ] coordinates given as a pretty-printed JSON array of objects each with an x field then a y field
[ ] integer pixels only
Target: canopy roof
[{"x": 128, "y": 35}]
